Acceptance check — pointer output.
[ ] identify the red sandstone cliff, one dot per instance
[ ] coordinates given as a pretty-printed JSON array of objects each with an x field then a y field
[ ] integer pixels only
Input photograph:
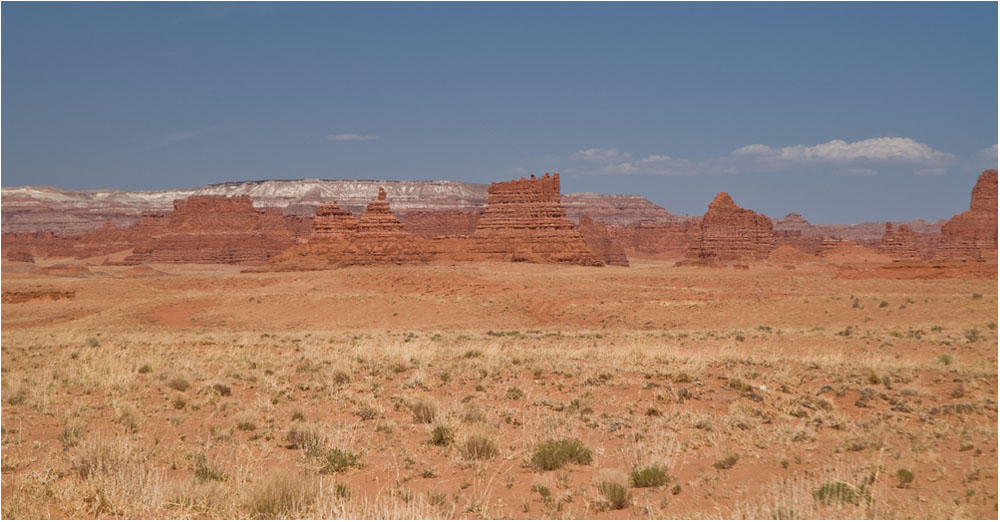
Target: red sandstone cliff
[
  {"x": 338, "y": 239},
  {"x": 900, "y": 243},
  {"x": 596, "y": 235},
  {"x": 525, "y": 221},
  {"x": 973, "y": 233},
  {"x": 211, "y": 229},
  {"x": 729, "y": 232},
  {"x": 444, "y": 223},
  {"x": 660, "y": 240}
]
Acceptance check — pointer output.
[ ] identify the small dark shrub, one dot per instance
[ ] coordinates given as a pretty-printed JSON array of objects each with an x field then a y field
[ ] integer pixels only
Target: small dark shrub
[
  {"x": 616, "y": 494},
  {"x": 726, "y": 463},
  {"x": 554, "y": 454},
  {"x": 649, "y": 477}
]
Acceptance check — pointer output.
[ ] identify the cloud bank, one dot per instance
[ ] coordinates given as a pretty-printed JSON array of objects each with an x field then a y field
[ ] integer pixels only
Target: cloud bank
[{"x": 858, "y": 158}]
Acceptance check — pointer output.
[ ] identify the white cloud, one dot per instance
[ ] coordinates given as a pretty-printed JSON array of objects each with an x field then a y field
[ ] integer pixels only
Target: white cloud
[
  {"x": 989, "y": 153},
  {"x": 599, "y": 155},
  {"x": 889, "y": 150},
  {"x": 855, "y": 171},
  {"x": 931, "y": 172},
  {"x": 351, "y": 137},
  {"x": 187, "y": 135}
]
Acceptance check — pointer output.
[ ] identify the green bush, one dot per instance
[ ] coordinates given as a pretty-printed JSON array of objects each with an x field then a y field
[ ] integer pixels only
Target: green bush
[
  {"x": 337, "y": 460},
  {"x": 478, "y": 446},
  {"x": 841, "y": 492},
  {"x": 616, "y": 494},
  {"x": 904, "y": 476},
  {"x": 442, "y": 435},
  {"x": 649, "y": 477},
  {"x": 726, "y": 463},
  {"x": 554, "y": 454}
]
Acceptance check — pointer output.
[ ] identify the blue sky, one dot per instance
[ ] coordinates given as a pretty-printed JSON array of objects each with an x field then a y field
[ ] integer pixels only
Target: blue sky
[{"x": 841, "y": 112}]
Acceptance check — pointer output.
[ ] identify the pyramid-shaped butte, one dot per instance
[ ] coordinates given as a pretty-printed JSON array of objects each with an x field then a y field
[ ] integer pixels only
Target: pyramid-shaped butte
[
  {"x": 524, "y": 221},
  {"x": 729, "y": 233},
  {"x": 338, "y": 239}
]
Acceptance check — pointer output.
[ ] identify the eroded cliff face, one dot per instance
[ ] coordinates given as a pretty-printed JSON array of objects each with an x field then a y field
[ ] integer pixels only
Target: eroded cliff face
[
  {"x": 659, "y": 240},
  {"x": 899, "y": 243},
  {"x": 339, "y": 239},
  {"x": 442, "y": 223},
  {"x": 614, "y": 209},
  {"x": 525, "y": 221},
  {"x": 973, "y": 233},
  {"x": 729, "y": 232},
  {"x": 607, "y": 250},
  {"x": 207, "y": 229}
]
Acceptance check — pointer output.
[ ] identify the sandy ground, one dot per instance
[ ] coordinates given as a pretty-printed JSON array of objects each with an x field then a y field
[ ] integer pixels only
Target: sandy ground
[{"x": 779, "y": 391}]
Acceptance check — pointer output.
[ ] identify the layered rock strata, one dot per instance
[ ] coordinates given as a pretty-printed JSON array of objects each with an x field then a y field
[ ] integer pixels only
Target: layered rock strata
[
  {"x": 437, "y": 224},
  {"x": 973, "y": 233},
  {"x": 657, "y": 239},
  {"x": 729, "y": 233},
  {"x": 899, "y": 243},
  {"x": 525, "y": 221},
  {"x": 596, "y": 235},
  {"x": 211, "y": 229},
  {"x": 338, "y": 239}
]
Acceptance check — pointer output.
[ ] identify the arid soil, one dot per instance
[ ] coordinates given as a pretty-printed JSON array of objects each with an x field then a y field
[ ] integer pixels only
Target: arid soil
[{"x": 790, "y": 389}]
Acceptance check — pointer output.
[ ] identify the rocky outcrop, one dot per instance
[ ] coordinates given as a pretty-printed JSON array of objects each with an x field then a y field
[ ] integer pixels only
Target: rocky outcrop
[
  {"x": 525, "y": 221},
  {"x": 601, "y": 243},
  {"x": 729, "y": 233},
  {"x": 658, "y": 240},
  {"x": 338, "y": 239},
  {"x": 973, "y": 233},
  {"x": 900, "y": 243},
  {"x": 39, "y": 244},
  {"x": 442, "y": 223},
  {"x": 211, "y": 229},
  {"x": 20, "y": 256}
]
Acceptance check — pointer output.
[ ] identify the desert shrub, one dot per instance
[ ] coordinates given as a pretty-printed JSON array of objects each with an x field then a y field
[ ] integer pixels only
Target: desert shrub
[
  {"x": 72, "y": 432},
  {"x": 616, "y": 494},
  {"x": 298, "y": 416},
  {"x": 368, "y": 412},
  {"x": 179, "y": 403},
  {"x": 205, "y": 471},
  {"x": 337, "y": 460},
  {"x": 841, "y": 493},
  {"x": 726, "y": 462},
  {"x": 514, "y": 394},
  {"x": 303, "y": 436},
  {"x": 145, "y": 368},
  {"x": 442, "y": 435},
  {"x": 649, "y": 477},
  {"x": 946, "y": 359},
  {"x": 222, "y": 389},
  {"x": 340, "y": 377},
  {"x": 178, "y": 383},
  {"x": 423, "y": 411},
  {"x": 128, "y": 417},
  {"x": 554, "y": 454},
  {"x": 904, "y": 476},
  {"x": 478, "y": 446},
  {"x": 883, "y": 304},
  {"x": 281, "y": 496},
  {"x": 246, "y": 424},
  {"x": 92, "y": 342}
]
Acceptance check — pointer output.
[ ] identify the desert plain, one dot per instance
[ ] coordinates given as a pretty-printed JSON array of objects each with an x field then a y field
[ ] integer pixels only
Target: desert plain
[{"x": 497, "y": 390}]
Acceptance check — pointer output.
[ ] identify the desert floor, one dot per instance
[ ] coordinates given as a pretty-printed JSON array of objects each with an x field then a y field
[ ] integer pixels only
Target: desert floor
[{"x": 497, "y": 391}]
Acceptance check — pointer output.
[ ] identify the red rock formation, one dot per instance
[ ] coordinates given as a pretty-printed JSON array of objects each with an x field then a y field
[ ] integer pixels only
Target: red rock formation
[
  {"x": 973, "y": 233},
  {"x": 657, "y": 239},
  {"x": 600, "y": 242},
  {"x": 211, "y": 229},
  {"x": 445, "y": 223},
  {"x": 39, "y": 244},
  {"x": 105, "y": 240},
  {"x": 729, "y": 232},
  {"x": 341, "y": 240},
  {"x": 524, "y": 221},
  {"x": 900, "y": 243},
  {"x": 20, "y": 256}
]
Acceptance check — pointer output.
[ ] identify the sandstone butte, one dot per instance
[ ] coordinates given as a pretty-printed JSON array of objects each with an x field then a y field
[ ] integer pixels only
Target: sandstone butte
[
  {"x": 900, "y": 243},
  {"x": 596, "y": 235},
  {"x": 730, "y": 233},
  {"x": 430, "y": 224},
  {"x": 973, "y": 233},
  {"x": 525, "y": 221},
  {"x": 201, "y": 229},
  {"x": 339, "y": 239}
]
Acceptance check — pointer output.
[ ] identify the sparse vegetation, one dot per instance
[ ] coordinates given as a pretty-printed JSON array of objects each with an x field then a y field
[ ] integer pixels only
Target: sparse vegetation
[
  {"x": 649, "y": 477},
  {"x": 554, "y": 454}
]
